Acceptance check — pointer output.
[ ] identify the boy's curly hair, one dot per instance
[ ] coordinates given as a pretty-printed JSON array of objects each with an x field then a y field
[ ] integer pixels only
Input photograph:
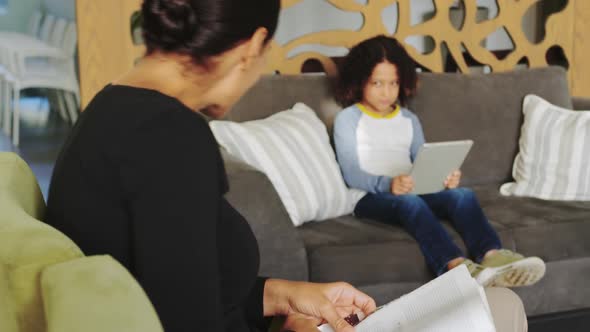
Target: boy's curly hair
[{"x": 356, "y": 69}]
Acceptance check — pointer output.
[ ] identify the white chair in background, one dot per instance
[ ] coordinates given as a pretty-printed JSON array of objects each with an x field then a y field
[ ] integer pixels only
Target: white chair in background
[
  {"x": 5, "y": 97},
  {"x": 34, "y": 24},
  {"x": 46, "y": 27},
  {"x": 57, "y": 34},
  {"x": 37, "y": 28},
  {"x": 34, "y": 64},
  {"x": 68, "y": 103},
  {"x": 72, "y": 100},
  {"x": 55, "y": 39}
]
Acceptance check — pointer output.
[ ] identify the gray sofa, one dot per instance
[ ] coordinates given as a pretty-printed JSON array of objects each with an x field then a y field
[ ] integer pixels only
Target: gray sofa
[{"x": 383, "y": 260}]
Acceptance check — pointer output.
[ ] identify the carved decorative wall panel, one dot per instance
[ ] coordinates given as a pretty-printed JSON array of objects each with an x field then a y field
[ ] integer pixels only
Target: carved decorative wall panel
[
  {"x": 447, "y": 38},
  {"x": 106, "y": 50}
]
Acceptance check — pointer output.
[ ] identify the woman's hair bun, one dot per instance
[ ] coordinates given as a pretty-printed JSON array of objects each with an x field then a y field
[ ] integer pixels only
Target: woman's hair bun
[
  {"x": 204, "y": 28},
  {"x": 172, "y": 22}
]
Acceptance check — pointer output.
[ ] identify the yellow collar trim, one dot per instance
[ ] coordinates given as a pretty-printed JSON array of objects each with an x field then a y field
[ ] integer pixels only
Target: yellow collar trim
[{"x": 377, "y": 115}]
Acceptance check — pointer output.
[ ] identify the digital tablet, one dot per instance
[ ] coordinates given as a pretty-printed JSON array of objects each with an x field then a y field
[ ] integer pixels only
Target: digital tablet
[{"x": 434, "y": 162}]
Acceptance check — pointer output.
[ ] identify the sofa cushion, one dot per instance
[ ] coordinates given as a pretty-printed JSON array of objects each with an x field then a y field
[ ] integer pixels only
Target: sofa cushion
[
  {"x": 365, "y": 252},
  {"x": 293, "y": 149},
  {"x": 554, "y": 157},
  {"x": 486, "y": 109},
  {"x": 552, "y": 230},
  {"x": 564, "y": 288}
]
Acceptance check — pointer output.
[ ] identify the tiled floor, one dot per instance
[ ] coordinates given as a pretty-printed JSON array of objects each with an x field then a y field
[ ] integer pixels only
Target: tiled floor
[{"x": 39, "y": 146}]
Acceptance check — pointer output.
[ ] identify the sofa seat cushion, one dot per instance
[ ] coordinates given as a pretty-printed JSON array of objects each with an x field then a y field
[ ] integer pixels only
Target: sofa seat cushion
[
  {"x": 564, "y": 288},
  {"x": 362, "y": 252},
  {"x": 552, "y": 230},
  {"x": 365, "y": 252}
]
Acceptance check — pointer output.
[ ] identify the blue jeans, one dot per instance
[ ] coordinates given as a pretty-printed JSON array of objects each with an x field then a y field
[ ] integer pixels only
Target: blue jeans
[{"x": 418, "y": 215}]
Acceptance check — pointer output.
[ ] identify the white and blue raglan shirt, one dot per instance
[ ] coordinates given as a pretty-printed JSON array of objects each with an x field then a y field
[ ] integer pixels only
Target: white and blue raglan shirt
[{"x": 372, "y": 149}]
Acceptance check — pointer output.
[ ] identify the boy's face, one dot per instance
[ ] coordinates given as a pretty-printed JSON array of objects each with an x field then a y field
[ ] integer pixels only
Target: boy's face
[{"x": 382, "y": 88}]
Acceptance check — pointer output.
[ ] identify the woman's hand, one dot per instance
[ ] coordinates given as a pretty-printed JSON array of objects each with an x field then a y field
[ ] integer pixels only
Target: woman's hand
[
  {"x": 329, "y": 303},
  {"x": 301, "y": 323},
  {"x": 453, "y": 180},
  {"x": 402, "y": 184}
]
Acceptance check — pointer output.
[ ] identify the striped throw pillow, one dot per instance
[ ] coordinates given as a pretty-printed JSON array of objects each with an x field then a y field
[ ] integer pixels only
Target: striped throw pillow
[
  {"x": 554, "y": 158},
  {"x": 293, "y": 149}
]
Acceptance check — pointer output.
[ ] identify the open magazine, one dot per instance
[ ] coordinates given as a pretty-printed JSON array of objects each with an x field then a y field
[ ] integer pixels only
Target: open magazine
[{"x": 452, "y": 302}]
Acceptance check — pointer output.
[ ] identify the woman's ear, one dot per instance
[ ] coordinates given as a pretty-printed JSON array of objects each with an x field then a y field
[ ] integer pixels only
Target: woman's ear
[{"x": 255, "y": 47}]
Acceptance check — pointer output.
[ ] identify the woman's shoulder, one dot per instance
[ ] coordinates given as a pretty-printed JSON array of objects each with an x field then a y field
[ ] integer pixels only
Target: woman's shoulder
[
  {"x": 134, "y": 101},
  {"x": 137, "y": 116},
  {"x": 131, "y": 108}
]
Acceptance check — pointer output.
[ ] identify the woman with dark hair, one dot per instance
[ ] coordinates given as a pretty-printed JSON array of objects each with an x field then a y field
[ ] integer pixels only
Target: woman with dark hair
[{"x": 141, "y": 177}]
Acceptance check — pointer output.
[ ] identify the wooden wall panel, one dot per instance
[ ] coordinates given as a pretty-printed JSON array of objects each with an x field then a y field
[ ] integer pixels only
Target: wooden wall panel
[
  {"x": 581, "y": 50},
  {"x": 104, "y": 42},
  {"x": 106, "y": 50}
]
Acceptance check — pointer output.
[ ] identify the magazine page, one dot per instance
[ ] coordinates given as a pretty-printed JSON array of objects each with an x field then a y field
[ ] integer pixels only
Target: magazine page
[{"x": 452, "y": 302}]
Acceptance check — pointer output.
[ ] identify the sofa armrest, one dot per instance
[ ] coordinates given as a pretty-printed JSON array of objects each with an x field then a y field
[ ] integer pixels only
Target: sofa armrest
[
  {"x": 581, "y": 103},
  {"x": 282, "y": 253}
]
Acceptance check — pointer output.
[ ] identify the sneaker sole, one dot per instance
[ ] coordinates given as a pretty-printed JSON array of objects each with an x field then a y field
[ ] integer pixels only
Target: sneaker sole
[{"x": 524, "y": 272}]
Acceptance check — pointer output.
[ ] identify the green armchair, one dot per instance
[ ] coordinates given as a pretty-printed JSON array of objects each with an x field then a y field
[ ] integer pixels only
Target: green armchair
[{"x": 46, "y": 282}]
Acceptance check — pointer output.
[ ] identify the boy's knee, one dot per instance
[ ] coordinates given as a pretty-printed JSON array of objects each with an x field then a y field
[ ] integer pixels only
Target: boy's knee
[
  {"x": 410, "y": 202},
  {"x": 461, "y": 193},
  {"x": 409, "y": 199}
]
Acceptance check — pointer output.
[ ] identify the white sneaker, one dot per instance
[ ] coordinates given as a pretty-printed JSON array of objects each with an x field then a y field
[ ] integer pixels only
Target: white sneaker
[{"x": 506, "y": 268}]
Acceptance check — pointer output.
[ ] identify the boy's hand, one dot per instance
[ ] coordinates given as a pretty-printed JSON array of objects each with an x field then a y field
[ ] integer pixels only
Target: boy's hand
[
  {"x": 453, "y": 180},
  {"x": 402, "y": 184}
]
